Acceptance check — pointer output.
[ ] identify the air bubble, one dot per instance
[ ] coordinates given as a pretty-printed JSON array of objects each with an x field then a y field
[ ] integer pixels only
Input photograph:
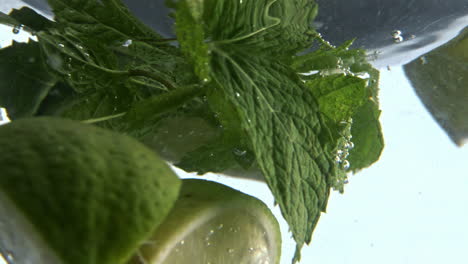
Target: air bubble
[
  {"x": 61, "y": 45},
  {"x": 397, "y": 37},
  {"x": 239, "y": 152},
  {"x": 396, "y": 33},
  {"x": 230, "y": 250},
  {"x": 238, "y": 94},
  {"x": 9, "y": 257},
  {"x": 182, "y": 242},
  {"x": 220, "y": 226},
  {"x": 423, "y": 60},
  {"x": 337, "y": 159},
  {"x": 127, "y": 43},
  {"x": 346, "y": 165},
  {"x": 17, "y": 29}
]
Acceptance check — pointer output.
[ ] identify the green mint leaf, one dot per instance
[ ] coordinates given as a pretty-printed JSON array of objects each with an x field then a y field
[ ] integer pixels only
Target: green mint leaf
[
  {"x": 7, "y": 20},
  {"x": 106, "y": 20},
  {"x": 277, "y": 27},
  {"x": 283, "y": 123},
  {"x": 25, "y": 79},
  {"x": 100, "y": 104},
  {"x": 352, "y": 85},
  {"x": 228, "y": 151},
  {"x": 59, "y": 98},
  {"x": 209, "y": 158},
  {"x": 293, "y": 145},
  {"x": 151, "y": 109},
  {"x": 339, "y": 96},
  {"x": 345, "y": 101},
  {"x": 325, "y": 58},
  {"x": 31, "y": 19},
  {"x": 367, "y": 136}
]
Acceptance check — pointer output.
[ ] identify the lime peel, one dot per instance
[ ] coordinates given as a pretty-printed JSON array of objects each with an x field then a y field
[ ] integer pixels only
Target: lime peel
[{"x": 213, "y": 223}]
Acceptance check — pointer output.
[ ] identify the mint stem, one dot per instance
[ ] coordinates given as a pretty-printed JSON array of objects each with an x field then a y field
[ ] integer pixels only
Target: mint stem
[
  {"x": 104, "y": 118},
  {"x": 154, "y": 106}
]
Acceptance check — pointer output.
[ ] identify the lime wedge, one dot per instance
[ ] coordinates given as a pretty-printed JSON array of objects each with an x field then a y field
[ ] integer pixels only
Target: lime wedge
[
  {"x": 76, "y": 194},
  {"x": 213, "y": 223}
]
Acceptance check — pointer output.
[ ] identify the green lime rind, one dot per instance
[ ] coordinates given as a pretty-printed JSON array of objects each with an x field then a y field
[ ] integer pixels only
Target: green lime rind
[
  {"x": 93, "y": 196},
  {"x": 213, "y": 223}
]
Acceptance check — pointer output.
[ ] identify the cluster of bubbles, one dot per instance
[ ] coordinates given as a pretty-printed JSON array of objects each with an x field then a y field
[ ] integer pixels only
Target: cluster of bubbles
[
  {"x": 397, "y": 36},
  {"x": 342, "y": 154}
]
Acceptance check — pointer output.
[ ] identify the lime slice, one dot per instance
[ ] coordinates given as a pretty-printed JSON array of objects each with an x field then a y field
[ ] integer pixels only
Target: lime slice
[
  {"x": 76, "y": 194},
  {"x": 213, "y": 223}
]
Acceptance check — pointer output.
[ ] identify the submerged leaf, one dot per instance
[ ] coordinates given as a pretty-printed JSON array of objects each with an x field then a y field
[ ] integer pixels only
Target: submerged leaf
[
  {"x": 282, "y": 121},
  {"x": 440, "y": 79},
  {"x": 339, "y": 96},
  {"x": 251, "y": 45},
  {"x": 25, "y": 80},
  {"x": 29, "y": 17},
  {"x": 367, "y": 137}
]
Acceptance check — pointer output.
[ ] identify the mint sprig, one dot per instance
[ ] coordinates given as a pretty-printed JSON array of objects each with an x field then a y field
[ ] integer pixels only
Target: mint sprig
[{"x": 242, "y": 69}]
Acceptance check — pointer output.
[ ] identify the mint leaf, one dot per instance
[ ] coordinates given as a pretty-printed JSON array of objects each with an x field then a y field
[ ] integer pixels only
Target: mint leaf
[
  {"x": 345, "y": 100},
  {"x": 291, "y": 142},
  {"x": 150, "y": 109},
  {"x": 209, "y": 158},
  {"x": 25, "y": 79},
  {"x": 326, "y": 57},
  {"x": 283, "y": 123},
  {"x": 367, "y": 137},
  {"x": 346, "y": 86},
  {"x": 7, "y": 20},
  {"x": 230, "y": 150},
  {"x": 106, "y": 20},
  {"x": 339, "y": 96},
  {"x": 29, "y": 17}
]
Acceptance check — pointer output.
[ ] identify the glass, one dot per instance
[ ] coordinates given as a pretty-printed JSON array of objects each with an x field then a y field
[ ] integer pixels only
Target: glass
[{"x": 409, "y": 207}]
